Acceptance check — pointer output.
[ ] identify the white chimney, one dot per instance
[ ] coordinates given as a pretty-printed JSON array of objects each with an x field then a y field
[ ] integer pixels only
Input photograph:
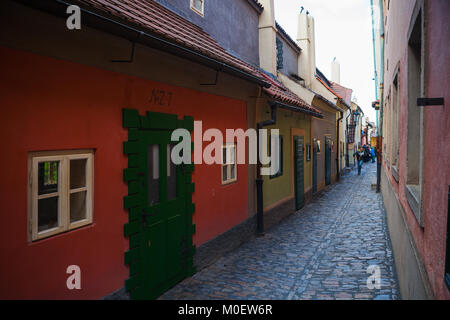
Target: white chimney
[
  {"x": 268, "y": 37},
  {"x": 306, "y": 41},
  {"x": 336, "y": 71}
]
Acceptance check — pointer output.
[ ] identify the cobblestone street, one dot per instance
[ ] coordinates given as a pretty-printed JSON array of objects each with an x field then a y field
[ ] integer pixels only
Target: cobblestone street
[{"x": 322, "y": 251}]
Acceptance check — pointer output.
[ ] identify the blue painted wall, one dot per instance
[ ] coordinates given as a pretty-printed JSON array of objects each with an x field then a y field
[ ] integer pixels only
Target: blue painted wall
[
  {"x": 232, "y": 23},
  {"x": 290, "y": 59}
]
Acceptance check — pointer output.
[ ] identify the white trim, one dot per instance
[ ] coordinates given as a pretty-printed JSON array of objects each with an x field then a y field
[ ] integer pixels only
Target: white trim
[
  {"x": 229, "y": 165},
  {"x": 199, "y": 12},
  {"x": 63, "y": 193}
]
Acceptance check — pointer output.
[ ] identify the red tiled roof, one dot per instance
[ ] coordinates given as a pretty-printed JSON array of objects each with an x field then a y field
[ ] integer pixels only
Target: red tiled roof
[
  {"x": 256, "y": 4},
  {"x": 333, "y": 92},
  {"x": 151, "y": 16},
  {"x": 281, "y": 93},
  {"x": 343, "y": 92},
  {"x": 156, "y": 19}
]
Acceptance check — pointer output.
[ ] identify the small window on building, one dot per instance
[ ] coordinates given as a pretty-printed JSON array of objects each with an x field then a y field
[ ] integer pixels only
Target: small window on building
[
  {"x": 414, "y": 142},
  {"x": 318, "y": 146},
  {"x": 395, "y": 125},
  {"x": 60, "y": 192},
  {"x": 308, "y": 152},
  {"x": 229, "y": 168},
  {"x": 278, "y": 160},
  {"x": 198, "y": 6}
]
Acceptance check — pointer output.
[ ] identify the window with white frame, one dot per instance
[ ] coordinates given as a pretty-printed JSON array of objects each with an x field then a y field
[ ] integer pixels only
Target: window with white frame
[
  {"x": 60, "y": 192},
  {"x": 229, "y": 169},
  {"x": 198, "y": 6}
]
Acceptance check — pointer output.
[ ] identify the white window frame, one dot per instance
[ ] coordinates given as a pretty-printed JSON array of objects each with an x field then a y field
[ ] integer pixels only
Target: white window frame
[
  {"x": 199, "y": 12},
  {"x": 63, "y": 192},
  {"x": 229, "y": 146}
]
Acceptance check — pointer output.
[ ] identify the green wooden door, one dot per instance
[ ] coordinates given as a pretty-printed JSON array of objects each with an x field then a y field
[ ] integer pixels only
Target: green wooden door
[
  {"x": 327, "y": 160},
  {"x": 160, "y": 206},
  {"x": 299, "y": 186}
]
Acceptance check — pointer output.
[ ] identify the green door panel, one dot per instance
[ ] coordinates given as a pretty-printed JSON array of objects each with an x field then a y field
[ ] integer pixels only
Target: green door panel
[
  {"x": 159, "y": 203},
  {"x": 174, "y": 252}
]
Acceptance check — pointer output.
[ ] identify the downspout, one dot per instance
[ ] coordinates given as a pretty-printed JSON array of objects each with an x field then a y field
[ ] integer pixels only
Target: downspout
[
  {"x": 338, "y": 172},
  {"x": 380, "y": 133},
  {"x": 259, "y": 179}
]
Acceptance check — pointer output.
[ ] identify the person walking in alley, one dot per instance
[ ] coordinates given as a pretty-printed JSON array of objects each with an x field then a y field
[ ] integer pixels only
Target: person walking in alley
[
  {"x": 359, "y": 158},
  {"x": 373, "y": 154}
]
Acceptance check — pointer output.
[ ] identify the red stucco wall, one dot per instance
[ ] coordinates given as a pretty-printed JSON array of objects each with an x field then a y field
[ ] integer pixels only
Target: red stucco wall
[{"x": 49, "y": 104}]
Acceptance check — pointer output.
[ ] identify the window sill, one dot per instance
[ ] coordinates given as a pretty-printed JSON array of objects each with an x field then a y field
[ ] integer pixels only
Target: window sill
[
  {"x": 229, "y": 182},
  {"x": 276, "y": 176},
  {"x": 412, "y": 193}
]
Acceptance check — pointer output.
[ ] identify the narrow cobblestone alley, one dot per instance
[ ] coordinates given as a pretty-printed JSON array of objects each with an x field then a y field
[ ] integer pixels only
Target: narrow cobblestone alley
[{"x": 322, "y": 251}]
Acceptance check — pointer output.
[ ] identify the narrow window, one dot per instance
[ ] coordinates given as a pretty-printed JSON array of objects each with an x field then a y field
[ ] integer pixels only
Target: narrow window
[
  {"x": 395, "y": 127},
  {"x": 60, "y": 193},
  {"x": 153, "y": 174},
  {"x": 318, "y": 146},
  {"x": 198, "y": 6},
  {"x": 171, "y": 175},
  {"x": 414, "y": 122},
  {"x": 279, "y": 159},
  {"x": 229, "y": 170},
  {"x": 308, "y": 152}
]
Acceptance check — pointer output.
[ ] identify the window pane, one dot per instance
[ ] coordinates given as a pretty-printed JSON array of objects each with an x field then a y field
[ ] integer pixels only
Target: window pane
[
  {"x": 171, "y": 175},
  {"x": 232, "y": 154},
  {"x": 47, "y": 213},
  {"x": 153, "y": 174},
  {"x": 233, "y": 172},
  {"x": 48, "y": 175},
  {"x": 198, "y": 4},
  {"x": 224, "y": 155},
  {"x": 78, "y": 173},
  {"x": 77, "y": 206},
  {"x": 224, "y": 173}
]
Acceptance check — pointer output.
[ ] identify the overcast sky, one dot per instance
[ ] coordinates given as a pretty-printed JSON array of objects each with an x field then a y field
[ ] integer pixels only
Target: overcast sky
[{"x": 343, "y": 30}]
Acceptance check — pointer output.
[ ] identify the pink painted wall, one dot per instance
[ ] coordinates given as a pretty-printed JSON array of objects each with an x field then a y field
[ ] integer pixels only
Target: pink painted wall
[
  {"x": 430, "y": 240},
  {"x": 437, "y": 146}
]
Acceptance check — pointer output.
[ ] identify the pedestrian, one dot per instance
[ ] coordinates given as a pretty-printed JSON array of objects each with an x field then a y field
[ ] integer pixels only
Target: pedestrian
[
  {"x": 372, "y": 152},
  {"x": 359, "y": 158},
  {"x": 367, "y": 155}
]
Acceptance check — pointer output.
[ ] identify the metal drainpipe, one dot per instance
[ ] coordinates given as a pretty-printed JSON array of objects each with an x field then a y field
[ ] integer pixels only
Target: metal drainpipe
[
  {"x": 259, "y": 179},
  {"x": 338, "y": 171},
  {"x": 380, "y": 129},
  {"x": 347, "y": 160}
]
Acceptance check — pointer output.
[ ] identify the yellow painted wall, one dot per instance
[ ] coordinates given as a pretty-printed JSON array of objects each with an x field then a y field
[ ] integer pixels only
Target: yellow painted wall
[{"x": 279, "y": 189}]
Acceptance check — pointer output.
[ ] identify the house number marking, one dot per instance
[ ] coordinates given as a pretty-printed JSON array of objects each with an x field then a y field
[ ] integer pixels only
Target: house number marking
[{"x": 161, "y": 98}]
